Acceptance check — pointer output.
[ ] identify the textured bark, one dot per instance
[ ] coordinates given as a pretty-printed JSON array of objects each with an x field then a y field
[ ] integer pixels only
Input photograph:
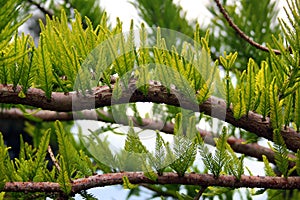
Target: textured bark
[
  {"x": 167, "y": 178},
  {"x": 102, "y": 96}
]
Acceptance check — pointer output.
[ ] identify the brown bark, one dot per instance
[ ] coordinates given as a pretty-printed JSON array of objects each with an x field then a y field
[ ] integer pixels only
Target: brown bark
[
  {"x": 167, "y": 178},
  {"x": 102, "y": 96}
]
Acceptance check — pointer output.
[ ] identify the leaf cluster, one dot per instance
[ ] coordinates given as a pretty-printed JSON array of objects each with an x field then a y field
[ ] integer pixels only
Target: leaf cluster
[{"x": 32, "y": 163}]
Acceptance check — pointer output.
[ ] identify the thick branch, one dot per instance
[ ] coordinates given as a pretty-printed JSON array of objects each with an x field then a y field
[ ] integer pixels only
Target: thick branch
[
  {"x": 99, "y": 115},
  {"x": 241, "y": 33},
  {"x": 254, "y": 150},
  {"x": 167, "y": 178},
  {"x": 102, "y": 96}
]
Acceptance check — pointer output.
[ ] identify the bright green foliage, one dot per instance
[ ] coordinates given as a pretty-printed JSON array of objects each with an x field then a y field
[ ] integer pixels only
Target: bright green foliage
[
  {"x": 2, "y": 195},
  {"x": 144, "y": 57},
  {"x": 170, "y": 68},
  {"x": 250, "y": 86},
  {"x": 159, "y": 160},
  {"x": 63, "y": 61},
  {"x": 64, "y": 177},
  {"x": 121, "y": 52},
  {"x": 8, "y": 22},
  {"x": 184, "y": 153},
  {"x": 144, "y": 78},
  {"x": 13, "y": 56},
  {"x": 31, "y": 163},
  {"x": 8, "y": 171},
  {"x": 45, "y": 82},
  {"x": 87, "y": 195},
  {"x": 208, "y": 72},
  {"x": 288, "y": 112},
  {"x": 65, "y": 41},
  {"x": 263, "y": 81},
  {"x": 268, "y": 169},
  {"x": 215, "y": 163},
  {"x": 281, "y": 153},
  {"x": 191, "y": 131},
  {"x": 236, "y": 164},
  {"x": 117, "y": 92},
  {"x": 178, "y": 126},
  {"x": 244, "y": 99},
  {"x": 287, "y": 66},
  {"x": 96, "y": 146},
  {"x": 142, "y": 61},
  {"x": 72, "y": 159},
  {"x": 133, "y": 143},
  {"x": 239, "y": 108},
  {"x": 18, "y": 68},
  {"x": 227, "y": 61},
  {"x": 16, "y": 62},
  {"x": 184, "y": 147},
  {"x": 188, "y": 70},
  {"x": 127, "y": 184},
  {"x": 275, "y": 107}
]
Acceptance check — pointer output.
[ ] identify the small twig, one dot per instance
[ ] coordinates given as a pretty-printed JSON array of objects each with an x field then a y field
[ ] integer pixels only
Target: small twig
[
  {"x": 241, "y": 33},
  {"x": 53, "y": 158},
  {"x": 41, "y": 8},
  {"x": 199, "y": 194}
]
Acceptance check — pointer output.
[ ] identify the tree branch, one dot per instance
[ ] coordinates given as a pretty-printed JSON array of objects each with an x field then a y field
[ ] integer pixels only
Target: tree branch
[
  {"x": 199, "y": 194},
  {"x": 241, "y": 33},
  {"x": 55, "y": 162},
  {"x": 102, "y": 96},
  {"x": 41, "y": 8},
  {"x": 167, "y": 178},
  {"x": 254, "y": 150}
]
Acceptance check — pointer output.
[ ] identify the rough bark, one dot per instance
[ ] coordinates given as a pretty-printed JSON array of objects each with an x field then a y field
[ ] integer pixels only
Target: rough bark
[
  {"x": 167, "y": 178},
  {"x": 102, "y": 96}
]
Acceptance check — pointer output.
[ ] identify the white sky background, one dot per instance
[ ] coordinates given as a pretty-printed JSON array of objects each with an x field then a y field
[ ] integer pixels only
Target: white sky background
[
  {"x": 196, "y": 9},
  {"x": 125, "y": 11}
]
